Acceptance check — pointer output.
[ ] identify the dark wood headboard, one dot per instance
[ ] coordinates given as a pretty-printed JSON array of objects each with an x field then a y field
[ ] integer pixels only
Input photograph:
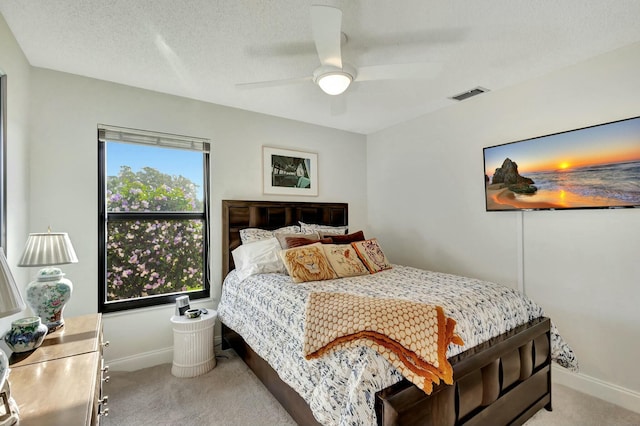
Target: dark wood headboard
[{"x": 240, "y": 214}]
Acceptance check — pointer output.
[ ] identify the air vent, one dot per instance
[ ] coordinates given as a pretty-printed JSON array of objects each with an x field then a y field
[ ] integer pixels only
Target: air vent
[{"x": 469, "y": 93}]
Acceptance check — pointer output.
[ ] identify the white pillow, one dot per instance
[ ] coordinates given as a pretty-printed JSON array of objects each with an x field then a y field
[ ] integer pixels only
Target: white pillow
[
  {"x": 261, "y": 257},
  {"x": 326, "y": 229},
  {"x": 251, "y": 235}
]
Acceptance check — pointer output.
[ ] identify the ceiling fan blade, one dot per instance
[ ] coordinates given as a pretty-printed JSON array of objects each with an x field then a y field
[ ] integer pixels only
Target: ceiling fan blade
[
  {"x": 273, "y": 83},
  {"x": 326, "y": 23},
  {"x": 412, "y": 71}
]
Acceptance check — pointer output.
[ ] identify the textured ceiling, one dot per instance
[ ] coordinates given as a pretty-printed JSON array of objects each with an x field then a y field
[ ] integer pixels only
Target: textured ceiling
[{"x": 201, "y": 49}]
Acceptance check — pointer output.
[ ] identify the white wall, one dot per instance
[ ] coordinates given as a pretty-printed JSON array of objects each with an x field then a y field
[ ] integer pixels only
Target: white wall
[
  {"x": 14, "y": 64},
  {"x": 65, "y": 111},
  {"x": 581, "y": 266}
]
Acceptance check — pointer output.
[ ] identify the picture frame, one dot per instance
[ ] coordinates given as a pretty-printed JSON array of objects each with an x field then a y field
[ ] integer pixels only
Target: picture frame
[{"x": 289, "y": 172}]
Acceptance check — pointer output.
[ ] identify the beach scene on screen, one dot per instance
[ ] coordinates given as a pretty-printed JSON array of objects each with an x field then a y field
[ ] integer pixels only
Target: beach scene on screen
[{"x": 593, "y": 167}]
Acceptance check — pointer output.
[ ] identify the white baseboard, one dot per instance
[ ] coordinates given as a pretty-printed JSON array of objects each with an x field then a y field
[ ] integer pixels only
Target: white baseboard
[
  {"x": 609, "y": 392},
  {"x": 141, "y": 360},
  {"x": 147, "y": 359}
]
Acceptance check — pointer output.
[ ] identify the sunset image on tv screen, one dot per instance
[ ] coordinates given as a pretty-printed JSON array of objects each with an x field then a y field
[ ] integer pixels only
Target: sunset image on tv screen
[{"x": 593, "y": 167}]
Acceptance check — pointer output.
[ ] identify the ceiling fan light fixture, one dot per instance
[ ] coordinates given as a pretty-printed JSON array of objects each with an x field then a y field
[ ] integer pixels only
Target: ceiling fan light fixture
[{"x": 334, "y": 82}]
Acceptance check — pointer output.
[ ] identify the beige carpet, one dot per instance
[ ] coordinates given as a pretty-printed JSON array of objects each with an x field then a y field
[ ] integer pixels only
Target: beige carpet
[{"x": 231, "y": 395}]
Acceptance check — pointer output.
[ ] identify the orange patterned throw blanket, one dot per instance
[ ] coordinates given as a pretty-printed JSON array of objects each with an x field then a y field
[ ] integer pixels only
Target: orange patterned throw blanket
[{"x": 412, "y": 336}]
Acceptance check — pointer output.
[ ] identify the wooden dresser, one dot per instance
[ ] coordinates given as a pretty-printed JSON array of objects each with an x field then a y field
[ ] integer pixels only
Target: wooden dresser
[{"x": 60, "y": 383}]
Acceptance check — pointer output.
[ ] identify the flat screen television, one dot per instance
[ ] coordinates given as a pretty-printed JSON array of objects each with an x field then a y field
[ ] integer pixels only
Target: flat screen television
[{"x": 592, "y": 167}]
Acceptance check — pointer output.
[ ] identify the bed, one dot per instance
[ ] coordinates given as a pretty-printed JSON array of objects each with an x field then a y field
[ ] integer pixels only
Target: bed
[{"x": 502, "y": 380}]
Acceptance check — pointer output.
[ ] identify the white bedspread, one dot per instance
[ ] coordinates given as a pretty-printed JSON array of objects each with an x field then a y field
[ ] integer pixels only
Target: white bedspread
[{"x": 268, "y": 312}]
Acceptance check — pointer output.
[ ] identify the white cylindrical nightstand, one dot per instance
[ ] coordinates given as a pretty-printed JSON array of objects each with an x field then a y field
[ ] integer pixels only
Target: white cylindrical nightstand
[{"x": 193, "y": 352}]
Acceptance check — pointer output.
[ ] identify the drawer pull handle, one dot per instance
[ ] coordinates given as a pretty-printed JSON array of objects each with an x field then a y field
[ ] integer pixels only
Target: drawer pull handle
[
  {"x": 105, "y": 369},
  {"x": 104, "y": 412},
  {"x": 105, "y": 344},
  {"x": 105, "y": 379},
  {"x": 104, "y": 400}
]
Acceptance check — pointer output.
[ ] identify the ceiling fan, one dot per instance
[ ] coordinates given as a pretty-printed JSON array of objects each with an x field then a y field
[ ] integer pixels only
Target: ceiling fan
[{"x": 334, "y": 76}]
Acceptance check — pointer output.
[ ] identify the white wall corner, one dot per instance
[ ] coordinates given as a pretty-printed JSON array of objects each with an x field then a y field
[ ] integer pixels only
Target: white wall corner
[{"x": 609, "y": 392}]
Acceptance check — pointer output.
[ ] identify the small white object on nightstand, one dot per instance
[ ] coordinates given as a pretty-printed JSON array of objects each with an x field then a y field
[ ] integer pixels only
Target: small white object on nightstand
[{"x": 193, "y": 352}]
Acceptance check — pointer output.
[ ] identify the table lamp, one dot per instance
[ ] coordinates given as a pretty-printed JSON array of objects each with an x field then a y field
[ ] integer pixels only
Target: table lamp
[
  {"x": 10, "y": 303},
  {"x": 50, "y": 291}
]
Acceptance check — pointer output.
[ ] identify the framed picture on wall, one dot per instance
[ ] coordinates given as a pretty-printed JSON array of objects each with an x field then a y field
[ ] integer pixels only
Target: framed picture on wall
[{"x": 289, "y": 172}]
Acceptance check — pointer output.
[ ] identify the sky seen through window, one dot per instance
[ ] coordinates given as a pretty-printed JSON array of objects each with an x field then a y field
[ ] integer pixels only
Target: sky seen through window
[{"x": 166, "y": 160}]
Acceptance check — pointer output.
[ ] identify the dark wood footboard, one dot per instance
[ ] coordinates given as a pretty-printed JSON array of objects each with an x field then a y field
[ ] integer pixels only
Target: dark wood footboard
[
  {"x": 504, "y": 381},
  {"x": 501, "y": 382}
]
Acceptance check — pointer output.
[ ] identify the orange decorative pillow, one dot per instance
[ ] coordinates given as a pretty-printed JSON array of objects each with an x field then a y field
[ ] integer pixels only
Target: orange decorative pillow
[
  {"x": 344, "y": 260},
  {"x": 307, "y": 263},
  {"x": 371, "y": 255}
]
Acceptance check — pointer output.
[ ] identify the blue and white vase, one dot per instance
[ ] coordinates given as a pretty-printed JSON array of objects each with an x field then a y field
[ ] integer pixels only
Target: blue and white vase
[
  {"x": 48, "y": 295},
  {"x": 26, "y": 334}
]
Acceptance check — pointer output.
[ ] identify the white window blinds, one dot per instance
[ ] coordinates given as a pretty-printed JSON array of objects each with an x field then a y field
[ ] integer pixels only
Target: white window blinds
[{"x": 123, "y": 134}]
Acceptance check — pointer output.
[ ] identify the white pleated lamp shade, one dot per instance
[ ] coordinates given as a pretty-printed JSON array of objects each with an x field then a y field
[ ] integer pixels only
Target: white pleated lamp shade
[
  {"x": 49, "y": 248},
  {"x": 10, "y": 299}
]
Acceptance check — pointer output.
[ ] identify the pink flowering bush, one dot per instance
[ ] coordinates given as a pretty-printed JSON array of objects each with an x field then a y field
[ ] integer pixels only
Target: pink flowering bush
[{"x": 146, "y": 256}]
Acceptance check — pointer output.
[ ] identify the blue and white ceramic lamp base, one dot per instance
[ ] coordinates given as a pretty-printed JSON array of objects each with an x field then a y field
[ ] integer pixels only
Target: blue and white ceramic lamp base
[
  {"x": 48, "y": 295},
  {"x": 26, "y": 334}
]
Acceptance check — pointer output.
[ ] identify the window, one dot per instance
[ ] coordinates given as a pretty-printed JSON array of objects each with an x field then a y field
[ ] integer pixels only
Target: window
[{"x": 153, "y": 218}]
